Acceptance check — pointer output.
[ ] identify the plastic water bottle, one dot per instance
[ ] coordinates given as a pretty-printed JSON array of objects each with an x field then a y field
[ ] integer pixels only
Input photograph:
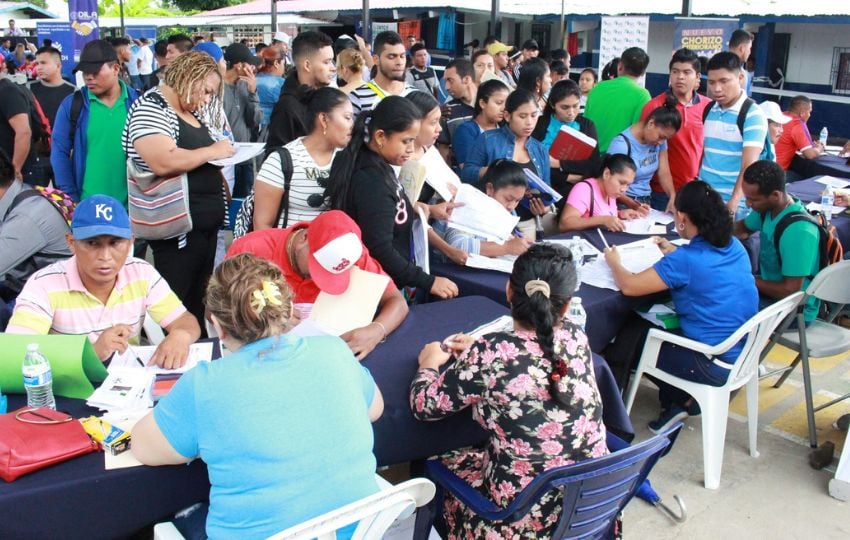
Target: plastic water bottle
[
  {"x": 578, "y": 258},
  {"x": 538, "y": 229},
  {"x": 827, "y": 199},
  {"x": 576, "y": 312},
  {"x": 824, "y": 135},
  {"x": 38, "y": 379}
]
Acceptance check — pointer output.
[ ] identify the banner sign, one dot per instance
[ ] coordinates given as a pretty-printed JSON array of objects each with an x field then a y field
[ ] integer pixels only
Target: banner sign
[
  {"x": 378, "y": 27},
  {"x": 83, "y": 17},
  {"x": 619, "y": 34},
  {"x": 409, "y": 28},
  {"x": 706, "y": 37},
  {"x": 63, "y": 39},
  {"x": 140, "y": 31}
]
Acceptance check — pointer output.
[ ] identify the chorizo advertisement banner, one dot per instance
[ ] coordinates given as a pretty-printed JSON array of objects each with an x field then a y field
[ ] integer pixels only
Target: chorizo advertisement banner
[
  {"x": 84, "y": 23},
  {"x": 705, "y": 37}
]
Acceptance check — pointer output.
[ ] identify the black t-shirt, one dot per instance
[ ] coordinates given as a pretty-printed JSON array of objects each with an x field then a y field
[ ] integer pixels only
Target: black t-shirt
[
  {"x": 206, "y": 203},
  {"x": 12, "y": 103},
  {"x": 50, "y": 97}
]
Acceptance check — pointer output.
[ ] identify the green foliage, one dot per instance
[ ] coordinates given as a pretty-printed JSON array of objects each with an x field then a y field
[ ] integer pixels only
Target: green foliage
[
  {"x": 203, "y": 5},
  {"x": 40, "y": 3},
  {"x": 133, "y": 8}
]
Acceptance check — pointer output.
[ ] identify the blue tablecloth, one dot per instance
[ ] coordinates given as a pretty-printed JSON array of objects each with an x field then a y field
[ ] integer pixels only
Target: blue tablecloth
[
  {"x": 826, "y": 164},
  {"x": 78, "y": 499},
  {"x": 808, "y": 191},
  {"x": 606, "y": 309}
]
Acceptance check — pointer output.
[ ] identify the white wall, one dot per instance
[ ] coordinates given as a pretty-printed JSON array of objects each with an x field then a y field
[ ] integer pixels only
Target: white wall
[
  {"x": 660, "y": 46},
  {"x": 810, "y": 57}
]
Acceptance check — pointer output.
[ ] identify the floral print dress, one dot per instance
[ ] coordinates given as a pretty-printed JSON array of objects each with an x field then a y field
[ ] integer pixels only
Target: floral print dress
[{"x": 504, "y": 377}]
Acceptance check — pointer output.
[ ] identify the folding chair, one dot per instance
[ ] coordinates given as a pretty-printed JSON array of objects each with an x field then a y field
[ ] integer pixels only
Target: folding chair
[
  {"x": 714, "y": 400},
  {"x": 374, "y": 515},
  {"x": 594, "y": 491},
  {"x": 822, "y": 338}
]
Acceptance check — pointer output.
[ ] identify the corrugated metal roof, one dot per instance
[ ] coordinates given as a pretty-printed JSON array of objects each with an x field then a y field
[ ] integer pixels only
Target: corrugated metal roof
[{"x": 31, "y": 10}]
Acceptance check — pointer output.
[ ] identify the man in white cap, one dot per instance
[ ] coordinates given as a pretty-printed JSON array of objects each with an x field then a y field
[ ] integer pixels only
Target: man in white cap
[{"x": 775, "y": 126}]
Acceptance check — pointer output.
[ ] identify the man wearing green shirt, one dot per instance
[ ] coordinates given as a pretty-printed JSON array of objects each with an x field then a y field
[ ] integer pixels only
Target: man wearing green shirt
[
  {"x": 798, "y": 260},
  {"x": 616, "y": 104},
  {"x": 86, "y": 153}
]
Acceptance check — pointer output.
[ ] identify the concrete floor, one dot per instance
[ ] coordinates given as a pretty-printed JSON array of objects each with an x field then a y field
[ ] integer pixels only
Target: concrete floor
[{"x": 776, "y": 495}]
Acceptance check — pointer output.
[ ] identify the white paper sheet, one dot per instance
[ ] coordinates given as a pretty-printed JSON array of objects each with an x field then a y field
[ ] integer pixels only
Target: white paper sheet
[
  {"x": 644, "y": 226},
  {"x": 126, "y": 421},
  {"x": 355, "y": 307},
  {"x": 816, "y": 207},
  {"x": 244, "y": 152},
  {"x": 198, "y": 352},
  {"x": 420, "y": 242},
  {"x": 587, "y": 249},
  {"x": 412, "y": 178},
  {"x": 309, "y": 327},
  {"x": 500, "y": 264},
  {"x": 481, "y": 215},
  {"x": 635, "y": 257},
  {"x": 439, "y": 175},
  {"x": 123, "y": 390},
  {"x": 833, "y": 182},
  {"x": 505, "y": 323},
  {"x": 660, "y": 217}
]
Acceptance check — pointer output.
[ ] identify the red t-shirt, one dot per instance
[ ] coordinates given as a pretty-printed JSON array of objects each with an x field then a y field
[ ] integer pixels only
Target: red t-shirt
[
  {"x": 684, "y": 150},
  {"x": 795, "y": 136},
  {"x": 270, "y": 244}
]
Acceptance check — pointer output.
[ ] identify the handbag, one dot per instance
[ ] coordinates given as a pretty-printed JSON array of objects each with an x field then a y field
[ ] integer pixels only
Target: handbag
[
  {"x": 31, "y": 439},
  {"x": 159, "y": 207}
]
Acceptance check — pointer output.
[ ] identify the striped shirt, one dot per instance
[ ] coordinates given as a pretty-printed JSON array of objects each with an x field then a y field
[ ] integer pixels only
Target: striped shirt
[
  {"x": 308, "y": 181},
  {"x": 55, "y": 301},
  {"x": 148, "y": 116},
  {"x": 366, "y": 97},
  {"x": 724, "y": 144}
]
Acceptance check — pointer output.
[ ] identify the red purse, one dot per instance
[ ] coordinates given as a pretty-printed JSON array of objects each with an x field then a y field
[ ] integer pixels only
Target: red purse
[{"x": 31, "y": 439}]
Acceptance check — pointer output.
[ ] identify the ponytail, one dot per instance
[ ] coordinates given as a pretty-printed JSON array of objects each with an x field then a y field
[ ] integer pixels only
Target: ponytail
[
  {"x": 542, "y": 282},
  {"x": 667, "y": 115}
]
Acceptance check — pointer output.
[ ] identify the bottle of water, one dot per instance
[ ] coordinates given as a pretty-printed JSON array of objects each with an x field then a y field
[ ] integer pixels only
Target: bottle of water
[
  {"x": 824, "y": 135},
  {"x": 576, "y": 312},
  {"x": 827, "y": 199},
  {"x": 38, "y": 379},
  {"x": 578, "y": 258},
  {"x": 538, "y": 229}
]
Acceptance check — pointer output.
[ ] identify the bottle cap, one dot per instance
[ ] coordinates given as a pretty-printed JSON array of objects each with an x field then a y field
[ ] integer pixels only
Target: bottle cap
[
  {"x": 32, "y": 347},
  {"x": 577, "y": 299}
]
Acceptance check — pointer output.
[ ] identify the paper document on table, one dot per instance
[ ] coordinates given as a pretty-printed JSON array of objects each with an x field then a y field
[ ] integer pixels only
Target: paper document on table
[
  {"x": 309, "y": 327},
  {"x": 412, "y": 178},
  {"x": 481, "y": 215},
  {"x": 244, "y": 152},
  {"x": 588, "y": 250},
  {"x": 635, "y": 257},
  {"x": 816, "y": 207},
  {"x": 198, "y": 352},
  {"x": 644, "y": 226},
  {"x": 833, "y": 182},
  {"x": 833, "y": 150},
  {"x": 126, "y": 421},
  {"x": 660, "y": 217},
  {"x": 124, "y": 390},
  {"x": 504, "y": 263},
  {"x": 421, "y": 253},
  {"x": 505, "y": 323},
  {"x": 439, "y": 175},
  {"x": 354, "y": 308}
]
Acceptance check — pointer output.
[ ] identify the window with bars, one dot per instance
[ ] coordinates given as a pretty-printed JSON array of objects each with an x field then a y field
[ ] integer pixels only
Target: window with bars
[
  {"x": 840, "y": 76},
  {"x": 254, "y": 34}
]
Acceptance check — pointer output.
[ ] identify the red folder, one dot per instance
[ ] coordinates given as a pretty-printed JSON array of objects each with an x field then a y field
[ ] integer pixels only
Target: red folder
[{"x": 572, "y": 145}]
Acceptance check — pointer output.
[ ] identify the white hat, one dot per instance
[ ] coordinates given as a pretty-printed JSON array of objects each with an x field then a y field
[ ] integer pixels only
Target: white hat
[
  {"x": 281, "y": 36},
  {"x": 773, "y": 113}
]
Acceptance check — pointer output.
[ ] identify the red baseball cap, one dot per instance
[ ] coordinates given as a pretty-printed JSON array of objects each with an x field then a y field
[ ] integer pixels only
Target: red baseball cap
[{"x": 335, "y": 244}]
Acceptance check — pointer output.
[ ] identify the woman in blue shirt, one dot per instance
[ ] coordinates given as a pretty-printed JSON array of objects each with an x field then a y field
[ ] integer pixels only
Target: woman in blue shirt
[
  {"x": 646, "y": 143},
  {"x": 513, "y": 141},
  {"x": 712, "y": 286},
  {"x": 489, "y": 112},
  {"x": 282, "y": 444},
  {"x": 269, "y": 82},
  {"x": 563, "y": 109}
]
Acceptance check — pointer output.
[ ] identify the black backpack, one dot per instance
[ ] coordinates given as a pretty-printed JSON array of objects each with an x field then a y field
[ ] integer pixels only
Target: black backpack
[
  {"x": 244, "y": 222},
  {"x": 829, "y": 246}
]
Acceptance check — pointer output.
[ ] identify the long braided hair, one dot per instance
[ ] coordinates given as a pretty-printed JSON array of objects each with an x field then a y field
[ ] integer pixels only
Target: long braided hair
[{"x": 542, "y": 283}]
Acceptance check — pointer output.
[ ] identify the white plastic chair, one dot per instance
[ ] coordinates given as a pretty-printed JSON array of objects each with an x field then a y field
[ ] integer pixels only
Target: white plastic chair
[
  {"x": 822, "y": 338},
  {"x": 714, "y": 400},
  {"x": 375, "y": 514}
]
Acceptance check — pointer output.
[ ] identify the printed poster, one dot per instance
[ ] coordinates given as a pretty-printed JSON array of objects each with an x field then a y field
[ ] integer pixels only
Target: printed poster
[
  {"x": 84, "y": 23},
  {"x": 62, "y": 36},
  {"x": 706, "y": 37},
  {"x": 620, "y": 33}
]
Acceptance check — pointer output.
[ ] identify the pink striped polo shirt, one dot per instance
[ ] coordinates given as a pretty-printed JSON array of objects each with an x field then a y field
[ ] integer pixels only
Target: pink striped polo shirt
[{"x": 55, "y": 301}]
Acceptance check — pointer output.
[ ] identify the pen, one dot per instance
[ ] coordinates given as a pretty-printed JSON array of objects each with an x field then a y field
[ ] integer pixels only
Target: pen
[
  {"x": 136, "y": 356},
  {"x": 602, "y": 236},
  {"x": 518, "y": 234}
]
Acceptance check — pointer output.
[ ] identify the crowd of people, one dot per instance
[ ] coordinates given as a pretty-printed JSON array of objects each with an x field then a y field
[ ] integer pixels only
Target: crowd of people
[{"x": 340, "y": 119}]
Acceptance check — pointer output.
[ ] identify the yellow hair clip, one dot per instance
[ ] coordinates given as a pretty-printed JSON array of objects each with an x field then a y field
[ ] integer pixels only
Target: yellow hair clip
[{"x": 269, "y": 293}]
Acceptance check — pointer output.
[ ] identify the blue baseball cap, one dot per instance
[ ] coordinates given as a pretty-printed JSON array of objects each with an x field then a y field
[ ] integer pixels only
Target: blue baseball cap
[
  {"x": 100, "y": 215},
  {"x": 210, "y": 48}
]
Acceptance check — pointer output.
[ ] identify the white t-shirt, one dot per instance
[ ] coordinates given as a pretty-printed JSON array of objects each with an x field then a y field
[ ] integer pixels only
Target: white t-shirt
[
  {"x": 146, "y": 56},
  {"x": 308, "y": 179}
]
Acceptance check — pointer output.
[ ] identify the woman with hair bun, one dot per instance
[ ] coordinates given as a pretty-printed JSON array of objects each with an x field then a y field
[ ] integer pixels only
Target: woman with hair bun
[
  {"x": 713, "y": 288},
  {"x": 532, "y": 388},
  {"x": 350, "y": 65},
  {"x": 282, "y": 444},
  {"x": 646, "y": 143}
]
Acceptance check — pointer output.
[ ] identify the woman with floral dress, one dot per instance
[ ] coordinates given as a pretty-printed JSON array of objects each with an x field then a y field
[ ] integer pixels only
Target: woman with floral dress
[{"x": 532, "y": 389}]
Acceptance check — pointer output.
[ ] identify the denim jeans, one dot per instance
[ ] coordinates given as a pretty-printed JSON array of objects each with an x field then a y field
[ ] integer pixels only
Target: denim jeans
[{"x": 689, "y": 365}]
